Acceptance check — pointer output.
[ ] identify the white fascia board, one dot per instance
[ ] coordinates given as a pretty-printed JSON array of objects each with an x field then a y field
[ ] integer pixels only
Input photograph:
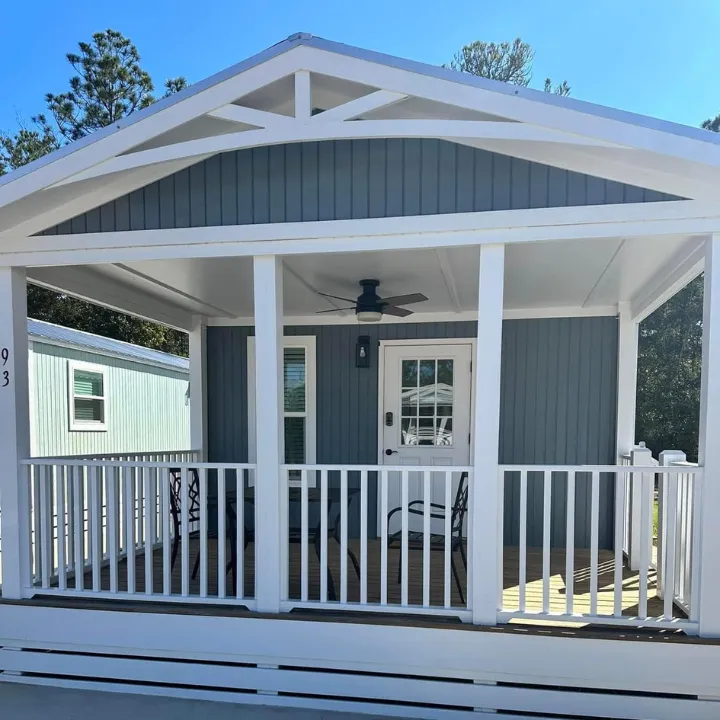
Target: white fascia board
[
  {"x": 430, "y": 317},
  {"x": 685, "y": 266},
  {"x": 449, "y": 230},
  {"x": 516, "y": 104},
  {"x": 110, "y": 293}
]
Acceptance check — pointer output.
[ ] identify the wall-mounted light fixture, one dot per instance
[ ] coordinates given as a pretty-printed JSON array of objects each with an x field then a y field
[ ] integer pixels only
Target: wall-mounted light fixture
[{"x": 362, "y": 352}]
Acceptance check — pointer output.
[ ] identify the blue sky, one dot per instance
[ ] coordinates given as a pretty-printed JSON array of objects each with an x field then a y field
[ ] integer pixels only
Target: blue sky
[{"x": 656, "y": 57}]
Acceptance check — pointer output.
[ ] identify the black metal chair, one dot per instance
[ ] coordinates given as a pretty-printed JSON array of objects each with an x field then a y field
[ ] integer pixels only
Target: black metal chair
[
  {"x": 194, "y": 519},
  {"x": 437, "y": 541}
]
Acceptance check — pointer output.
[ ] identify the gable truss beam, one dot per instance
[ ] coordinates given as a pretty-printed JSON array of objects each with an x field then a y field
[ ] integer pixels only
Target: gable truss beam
[
  {"x": 250, "y": 116},
  {"x": 303, "y": 95},
  {"x": 308, "y": 132},
  {"x": 360, "y": 106}
]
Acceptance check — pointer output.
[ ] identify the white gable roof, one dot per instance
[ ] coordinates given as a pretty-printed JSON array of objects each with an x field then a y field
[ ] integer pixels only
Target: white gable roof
[{"x": 525, "y": 123}]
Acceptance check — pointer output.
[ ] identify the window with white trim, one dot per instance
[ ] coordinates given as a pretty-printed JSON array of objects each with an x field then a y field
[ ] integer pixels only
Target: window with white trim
[
  {"x": 87, "y": 396},
  {"x": 298, "y": 399}
]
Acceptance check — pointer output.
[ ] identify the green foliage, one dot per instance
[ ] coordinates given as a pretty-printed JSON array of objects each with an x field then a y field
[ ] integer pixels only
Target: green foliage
[
  {"x": 44, "y": 304},
  {"x": 109, "y": 84},
  {"x": 712, "y": 124},
  {"x": 507, "y": 62},
  {"x": 27, "y": 144},
  {"x": 669, "y": 365}
]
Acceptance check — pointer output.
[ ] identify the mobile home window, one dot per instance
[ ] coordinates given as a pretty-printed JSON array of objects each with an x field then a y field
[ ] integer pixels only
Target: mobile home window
[{"x": 87, "y": 396}]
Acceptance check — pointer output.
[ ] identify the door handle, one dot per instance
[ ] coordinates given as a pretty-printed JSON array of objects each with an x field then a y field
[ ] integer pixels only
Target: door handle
[{"x": 391, "y": 452}]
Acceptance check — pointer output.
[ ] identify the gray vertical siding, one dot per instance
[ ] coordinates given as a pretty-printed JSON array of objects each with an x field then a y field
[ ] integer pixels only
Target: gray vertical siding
[
  {"x": 342, "y": 179},
  {"x": 557, "y": 403}
]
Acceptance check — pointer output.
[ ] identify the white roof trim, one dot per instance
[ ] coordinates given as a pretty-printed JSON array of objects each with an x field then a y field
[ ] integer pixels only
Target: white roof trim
[{"x": 698, "y": 150}]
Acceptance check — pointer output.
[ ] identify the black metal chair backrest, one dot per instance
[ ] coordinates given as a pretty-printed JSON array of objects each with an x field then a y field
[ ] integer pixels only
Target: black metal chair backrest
[
  {"x": 176, "y": 496},
  {"x": 460, "y": 506}
]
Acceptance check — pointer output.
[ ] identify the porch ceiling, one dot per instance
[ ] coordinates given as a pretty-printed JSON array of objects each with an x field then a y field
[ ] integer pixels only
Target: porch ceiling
[{"x": 574, "y": 276}]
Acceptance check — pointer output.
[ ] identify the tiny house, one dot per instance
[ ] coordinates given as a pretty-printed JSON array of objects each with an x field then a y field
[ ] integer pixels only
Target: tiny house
[{"x": 414, "y": 484}]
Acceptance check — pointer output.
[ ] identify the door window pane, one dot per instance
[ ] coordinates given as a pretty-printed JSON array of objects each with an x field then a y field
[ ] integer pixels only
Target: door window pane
[{"x": 427, "y": 400}]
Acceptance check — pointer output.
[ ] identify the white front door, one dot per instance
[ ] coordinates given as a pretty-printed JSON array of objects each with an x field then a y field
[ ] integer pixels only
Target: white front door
[{"x": 426, "y": 401}]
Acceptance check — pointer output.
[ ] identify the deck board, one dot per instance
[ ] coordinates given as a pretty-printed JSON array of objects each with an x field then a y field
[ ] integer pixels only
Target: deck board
[{"x": 581, "y": 579}]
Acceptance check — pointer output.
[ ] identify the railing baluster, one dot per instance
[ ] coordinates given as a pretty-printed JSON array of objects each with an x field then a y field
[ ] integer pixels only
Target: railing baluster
[
  {"x": 129, "y": 498},
  {"x": 70, "y": 495},
  {"x": 149, "y": 518},
  {"x": 426, "y": 538},
  {"x": 323, "y": 535},
  {"x": 697, "y": 483},
  {"x": 570, "y": 544},
  {"x": 111, "y": 480},
  {"x": 140, "y": 510},
  {"x": 404, "y": 535},
  {"x": 222, "y": 535},
  {"x": 594, "y": 524},
  {"x": 343, "y": 535},
  {"x": 95, "y": 524},
  {"x": 384, "y": 530},
  {"x": 166, "y": 503},
  {"x": 34, "y": 476},
  {"x": 645, "y": 540},
  {"x": 523, "y": 541},
  {"x": 45, "y": 539},
  {"x": 304, "y": 531},
  {"x": 60, "y": 499},
  {"x": 240, "y": 534},
  {"x": 547, "y": 504},
  {"x": 669, "y": 545},
  {"x": 79, "y": 530},
  {"x": 447, "y": 555},
  {"x": 619, "y": 529},
  {"x": 363, "y": 536},
  {"x": 202, "y": 489},
  {"x": 185, "y": 534}
]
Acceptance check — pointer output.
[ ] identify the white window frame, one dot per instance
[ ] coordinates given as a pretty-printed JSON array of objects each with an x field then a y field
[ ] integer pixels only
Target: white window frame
[
  {"x": 79, "y": 425},
  {"x": 308, "y": 343}
]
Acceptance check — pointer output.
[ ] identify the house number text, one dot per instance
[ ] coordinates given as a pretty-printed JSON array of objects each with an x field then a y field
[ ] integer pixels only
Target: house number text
[{"x": 5, "y": 356}]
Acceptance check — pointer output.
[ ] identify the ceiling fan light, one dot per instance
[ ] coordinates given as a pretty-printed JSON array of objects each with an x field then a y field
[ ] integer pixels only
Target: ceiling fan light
[{"x": 369, "y": 316}]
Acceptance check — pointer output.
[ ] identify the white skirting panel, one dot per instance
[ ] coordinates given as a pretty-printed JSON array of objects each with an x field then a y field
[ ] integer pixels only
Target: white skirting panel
[{"x": 325, "y": 665}]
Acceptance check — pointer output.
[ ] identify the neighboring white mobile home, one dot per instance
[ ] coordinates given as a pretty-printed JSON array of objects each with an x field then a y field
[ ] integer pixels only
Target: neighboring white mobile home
[
  {"x": 92, "y": 395},
  {"x": 415, "y": 487}
]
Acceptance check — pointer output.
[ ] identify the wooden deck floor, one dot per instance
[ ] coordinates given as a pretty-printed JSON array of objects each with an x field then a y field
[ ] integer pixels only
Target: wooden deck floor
[{"x": 558, "y": 586}]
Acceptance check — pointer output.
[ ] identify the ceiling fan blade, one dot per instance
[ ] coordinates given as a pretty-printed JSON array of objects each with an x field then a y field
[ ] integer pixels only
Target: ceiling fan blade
[
  {"x": 352, "y": 300},
  {"x": 320, "y": 312},
  {"x": 405, "y": 299},
  {"x": 396, "y": 311}
]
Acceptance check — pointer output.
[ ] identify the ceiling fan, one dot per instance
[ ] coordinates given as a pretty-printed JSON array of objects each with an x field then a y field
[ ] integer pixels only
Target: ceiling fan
[{"x": 370, "y": 307}]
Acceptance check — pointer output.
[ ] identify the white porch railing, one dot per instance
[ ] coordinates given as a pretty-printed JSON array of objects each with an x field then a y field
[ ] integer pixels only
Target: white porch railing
[
  {"x": 368, "y": 538},
  {"x": 126, "y": 528},
  {"x": 377, "y": 538},
  {"x": 580, "y": 581}
]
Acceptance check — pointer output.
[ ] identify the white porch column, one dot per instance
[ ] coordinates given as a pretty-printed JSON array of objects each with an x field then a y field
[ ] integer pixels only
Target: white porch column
[
  {"x": 198, "y": 383},
  {"x": 627, "y": 380},
  {"x": 708, "y": 555},
  {"x": 268, "y": 283},
  {"x": 14, "y": 432},
  {"x": 486, "y": 496}
]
